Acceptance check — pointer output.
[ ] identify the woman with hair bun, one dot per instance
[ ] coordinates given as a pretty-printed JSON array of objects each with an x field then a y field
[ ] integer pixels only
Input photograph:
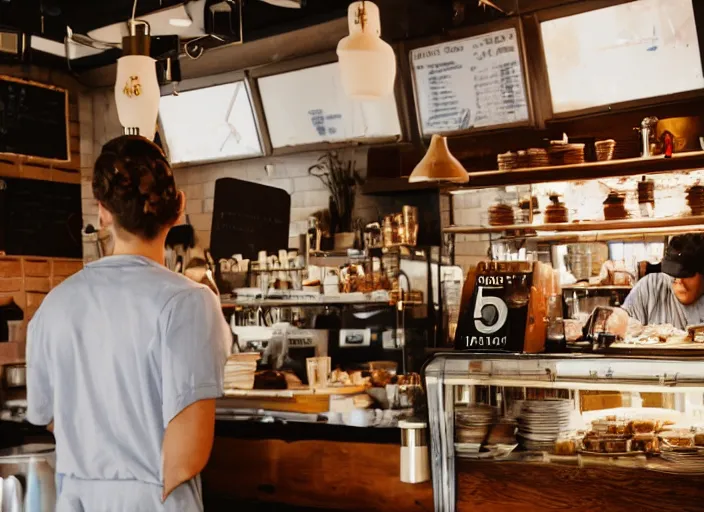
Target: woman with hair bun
[{"x": 126, "y": 358}]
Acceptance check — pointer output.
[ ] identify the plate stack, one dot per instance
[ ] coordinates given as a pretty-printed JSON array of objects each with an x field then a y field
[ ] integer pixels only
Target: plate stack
[
  {"x": 472, "y": 424},
  {"x": 685, "y": 460},
  {"x": 537, "y": 157},
  {"x": 566, "y": 154},
  {"x": 605, "y": 149},
  {"x": 240, "y": 370},
  {"x": 507, "y": 161},
  {"x": 541, "y": 422}
]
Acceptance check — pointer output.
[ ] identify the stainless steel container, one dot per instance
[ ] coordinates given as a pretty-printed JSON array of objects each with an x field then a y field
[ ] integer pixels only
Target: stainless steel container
[
  {"x": 415, "y": 465},
  {"x": 33, "y": 465},
  {"x": 15, "y": 375}
]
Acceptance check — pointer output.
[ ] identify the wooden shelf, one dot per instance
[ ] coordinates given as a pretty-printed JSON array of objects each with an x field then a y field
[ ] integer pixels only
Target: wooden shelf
[
  {"x": 587, "y": 171},
  {"x": 526, "y": 176},
  {"x": 625, "y": 226}
]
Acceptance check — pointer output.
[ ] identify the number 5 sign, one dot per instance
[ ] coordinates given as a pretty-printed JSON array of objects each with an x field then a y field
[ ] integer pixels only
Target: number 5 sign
[{"x": 490, "y": 313}]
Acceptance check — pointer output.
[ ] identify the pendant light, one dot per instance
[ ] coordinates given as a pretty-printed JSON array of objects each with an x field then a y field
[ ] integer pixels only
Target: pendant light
[
  {"x": 438, "y": 164},
  {"x": 367, "y": 62},
  {"x": 137, "y": 90}
]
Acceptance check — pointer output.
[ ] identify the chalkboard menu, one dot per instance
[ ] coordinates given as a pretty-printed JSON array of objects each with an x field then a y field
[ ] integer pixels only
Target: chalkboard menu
[
  {"x": 33, "y": 119},
  {"x": 40, "y": 218},
  {"x": 248, "y": 218},
  {"x": 470, "y": 83}
]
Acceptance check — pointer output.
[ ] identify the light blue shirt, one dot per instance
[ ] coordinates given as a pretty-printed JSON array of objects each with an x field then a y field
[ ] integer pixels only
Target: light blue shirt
[
  {"x": 114, "y": 353},
  {"x": 653, "y": 302}
]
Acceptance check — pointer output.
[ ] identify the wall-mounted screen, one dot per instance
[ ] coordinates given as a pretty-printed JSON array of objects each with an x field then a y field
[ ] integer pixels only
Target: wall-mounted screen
[
  {"x": 637, "y": 50},
  {"x": 470, "y": 83},
  {"x": 212, "y": 123},
  {"x": 309, "y": 105}
]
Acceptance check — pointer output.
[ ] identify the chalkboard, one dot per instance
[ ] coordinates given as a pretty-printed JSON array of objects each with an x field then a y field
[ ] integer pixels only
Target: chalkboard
[
  {"x": 40, "y": 218},
  {"x": 33, "y": 119},
  {"x": 248, "y": 218},
  {"x": 470, "y": 83}
]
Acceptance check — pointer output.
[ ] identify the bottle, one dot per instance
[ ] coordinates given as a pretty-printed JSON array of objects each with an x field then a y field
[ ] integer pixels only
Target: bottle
[{"x": 313, "y": 235}]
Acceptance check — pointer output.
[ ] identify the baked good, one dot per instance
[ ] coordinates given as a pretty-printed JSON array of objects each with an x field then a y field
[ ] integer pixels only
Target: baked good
[
  {"x": 699, "y": 439},
  {"x": 556, "y": 212},
  {"x": 507, "y": 161},
  {"x": 615, "y": 206},
  {"x": 695, "y": 199},
  {"x": 501, "y": 215},
  {"x": 641, "y": 426},
  {"x": 565, "y": 447},
  {"x": 647, "y": 444}
]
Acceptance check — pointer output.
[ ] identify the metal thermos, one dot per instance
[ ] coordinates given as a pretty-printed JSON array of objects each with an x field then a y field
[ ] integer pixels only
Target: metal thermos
[
  {"x": 415, "y": 467},
  {"x": 647, "y": 131}
]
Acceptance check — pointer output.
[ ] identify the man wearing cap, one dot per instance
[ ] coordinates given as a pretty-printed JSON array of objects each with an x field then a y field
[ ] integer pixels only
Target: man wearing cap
[{"x": 675, "y": 295}]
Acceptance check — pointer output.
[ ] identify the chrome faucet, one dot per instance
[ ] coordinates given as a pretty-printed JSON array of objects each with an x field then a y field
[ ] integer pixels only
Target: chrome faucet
[{"x": 647, "y": 132}]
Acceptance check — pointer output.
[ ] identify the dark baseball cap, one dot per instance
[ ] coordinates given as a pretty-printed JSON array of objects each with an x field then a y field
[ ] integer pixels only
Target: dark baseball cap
[{"x": 684, "y": 256}]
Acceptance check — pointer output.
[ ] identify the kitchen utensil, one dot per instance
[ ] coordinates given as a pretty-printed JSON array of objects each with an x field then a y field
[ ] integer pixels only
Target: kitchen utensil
[{"x": 16, "y": 375}]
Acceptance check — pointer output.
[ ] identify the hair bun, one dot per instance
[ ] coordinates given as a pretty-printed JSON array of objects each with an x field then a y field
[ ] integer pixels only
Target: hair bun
[{"x": 134, "y": 181}]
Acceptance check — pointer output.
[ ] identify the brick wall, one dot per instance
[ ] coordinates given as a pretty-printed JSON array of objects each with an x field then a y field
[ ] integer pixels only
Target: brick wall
[
  {"x": 470, "y": 210},
  {"x": 290, "y": 173}
]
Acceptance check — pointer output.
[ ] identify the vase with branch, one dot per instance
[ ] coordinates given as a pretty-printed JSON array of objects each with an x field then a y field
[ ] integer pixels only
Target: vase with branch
[{"x": 341, "y": 180}]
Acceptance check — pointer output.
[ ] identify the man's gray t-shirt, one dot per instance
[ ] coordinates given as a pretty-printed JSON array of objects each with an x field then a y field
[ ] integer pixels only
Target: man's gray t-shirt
[
  {"x": 652, "y": 302},
  {"x": 114, "y": 353}
]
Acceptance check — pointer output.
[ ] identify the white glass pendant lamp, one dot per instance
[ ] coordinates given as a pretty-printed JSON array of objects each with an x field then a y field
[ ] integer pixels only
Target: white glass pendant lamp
[
  {"x": 367, "y": 62},
  {"x": 137, "y": 90},
  {"x": 438, "y": 164}
]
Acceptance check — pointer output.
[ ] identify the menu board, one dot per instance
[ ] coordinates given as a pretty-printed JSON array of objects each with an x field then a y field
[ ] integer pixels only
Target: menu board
[
  {"x": 470, "y": 83},
  {"x": 33, "y": 119}
]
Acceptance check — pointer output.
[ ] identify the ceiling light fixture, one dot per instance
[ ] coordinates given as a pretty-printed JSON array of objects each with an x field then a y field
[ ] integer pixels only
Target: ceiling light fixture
[
  {"x": 438, "y": 164},
  {"x": 137, "y": 90},
  {"x": 367, "y": 62}
]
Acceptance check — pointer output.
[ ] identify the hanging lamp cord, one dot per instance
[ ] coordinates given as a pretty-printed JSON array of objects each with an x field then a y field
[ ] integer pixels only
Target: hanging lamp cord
[{"x": 362, "y": 15}]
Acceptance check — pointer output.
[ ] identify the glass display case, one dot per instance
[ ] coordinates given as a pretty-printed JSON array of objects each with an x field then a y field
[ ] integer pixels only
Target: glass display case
[{"x": 642, "y": 418}]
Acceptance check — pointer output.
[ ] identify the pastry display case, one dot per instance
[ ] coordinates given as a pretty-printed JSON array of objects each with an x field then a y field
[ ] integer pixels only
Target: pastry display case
[{"x": 539, "y": 416}]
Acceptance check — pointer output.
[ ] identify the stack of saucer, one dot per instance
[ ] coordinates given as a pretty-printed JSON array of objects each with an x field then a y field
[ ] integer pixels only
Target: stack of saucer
[
  {"x": 472, "y": 423},
  {"x": 541, "y": 422}
]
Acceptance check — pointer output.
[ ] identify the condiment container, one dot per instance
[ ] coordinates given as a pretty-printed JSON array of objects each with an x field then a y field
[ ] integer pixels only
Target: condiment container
[{"x": 415, "y": 467}]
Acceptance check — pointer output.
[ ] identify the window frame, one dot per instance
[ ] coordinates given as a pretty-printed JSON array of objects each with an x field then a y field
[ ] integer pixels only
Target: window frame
[
  {"x": 194, "y": 84},
  {"x": 514, "y": 22},
  {"x": 312, "y": 61},
  {"x": 592, "y": 5}
]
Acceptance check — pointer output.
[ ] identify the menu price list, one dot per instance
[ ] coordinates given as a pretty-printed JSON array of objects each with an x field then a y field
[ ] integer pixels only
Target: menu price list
[{"x": 473, "y": 82}]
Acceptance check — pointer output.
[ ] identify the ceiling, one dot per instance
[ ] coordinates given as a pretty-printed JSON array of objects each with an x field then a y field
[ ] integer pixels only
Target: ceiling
[{"x": 49, "y": 19}]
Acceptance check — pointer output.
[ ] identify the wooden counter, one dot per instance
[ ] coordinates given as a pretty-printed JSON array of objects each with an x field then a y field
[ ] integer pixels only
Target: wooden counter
[
  {"x": 315, "y": 467},
  {"x": 523, "y": 487}
]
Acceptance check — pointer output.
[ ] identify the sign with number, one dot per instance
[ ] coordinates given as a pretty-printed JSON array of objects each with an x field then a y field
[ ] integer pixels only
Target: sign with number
[{"x": 494, "y": 319}]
